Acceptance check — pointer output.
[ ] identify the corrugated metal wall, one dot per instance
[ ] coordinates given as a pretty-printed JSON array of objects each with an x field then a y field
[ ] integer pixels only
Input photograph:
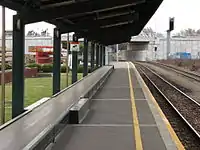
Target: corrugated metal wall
[{"x": 190, "y": 45}]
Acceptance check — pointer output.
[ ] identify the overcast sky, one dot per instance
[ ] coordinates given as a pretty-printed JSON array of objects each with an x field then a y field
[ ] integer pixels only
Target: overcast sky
[{"x": 186, "y": 13}]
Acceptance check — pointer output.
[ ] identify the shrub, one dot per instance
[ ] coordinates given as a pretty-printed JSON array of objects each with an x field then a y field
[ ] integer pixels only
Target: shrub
[
  {"x": 33, "y": 65},
  {"x": 180, "y": 64},
  {"x": 7, "y": 67},
  {"x": 194, "y": 67},
  {"x": 47, "y": 68},
  {"x": 80, "y": 69},
  {"x": 63, "y": 69}
]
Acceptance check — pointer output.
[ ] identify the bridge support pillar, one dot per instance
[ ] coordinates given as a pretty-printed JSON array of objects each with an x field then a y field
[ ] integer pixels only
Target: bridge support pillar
[
  {"x": 85, "y": 58},
  {"x": 92, "y": 56},
  {"x": 56, "y": 60},
  {"x": 74, "y": 61},
  {"x": 18, "y": 67},
  {"x": 97, "y": 56}
]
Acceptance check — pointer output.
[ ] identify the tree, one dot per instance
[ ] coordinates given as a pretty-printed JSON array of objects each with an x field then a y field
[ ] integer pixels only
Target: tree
[
  {"x": 190, "y": 32},
  {"x": 149, "y": 33},
  {"x": 30, "y": 33},
  {"x": 198, "y": 32},
  {"x": 33, "y": 33},
  {"x": 187, "y": 32},
  {"x": 43, "y": 33}
]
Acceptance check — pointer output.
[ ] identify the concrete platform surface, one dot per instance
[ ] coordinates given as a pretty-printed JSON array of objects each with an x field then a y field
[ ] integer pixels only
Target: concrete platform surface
[{"x": 110, "y": 124}]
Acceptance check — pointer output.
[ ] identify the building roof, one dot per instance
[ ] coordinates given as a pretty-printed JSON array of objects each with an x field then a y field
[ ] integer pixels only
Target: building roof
[{"x": 105, "y": 21}]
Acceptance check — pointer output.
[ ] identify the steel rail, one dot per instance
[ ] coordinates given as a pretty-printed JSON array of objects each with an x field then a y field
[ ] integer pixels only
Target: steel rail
[
  {"x": 171, "y": 104},
  {"x": 190, "y": 75}
]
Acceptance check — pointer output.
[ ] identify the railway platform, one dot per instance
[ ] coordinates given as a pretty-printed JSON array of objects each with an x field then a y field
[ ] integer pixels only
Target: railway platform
[{"x": 123, "y": 116}]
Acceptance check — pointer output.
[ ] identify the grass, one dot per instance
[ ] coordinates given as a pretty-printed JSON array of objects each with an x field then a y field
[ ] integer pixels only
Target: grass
[{"x": 35, "y": 89}]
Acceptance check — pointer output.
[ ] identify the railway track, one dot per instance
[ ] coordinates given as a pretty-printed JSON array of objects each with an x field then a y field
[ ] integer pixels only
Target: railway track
[
  {"x": 186, "y": 108},
  {"x": 187, "y": 74}
]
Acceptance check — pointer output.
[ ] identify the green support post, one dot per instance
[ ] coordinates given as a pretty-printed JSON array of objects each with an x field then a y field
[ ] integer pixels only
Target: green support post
[
  {"x": 104, "y": 55},
  {"x": 97, "y": 56},
  {"x": 18, "y": 67},
  {"x": 85, "y": 58},
  {"x": 56, "y": 60},
  {"x": 74, "y": 61},
  {"x": 101, "y": 55},
  {"x": 92, "y": 56}
]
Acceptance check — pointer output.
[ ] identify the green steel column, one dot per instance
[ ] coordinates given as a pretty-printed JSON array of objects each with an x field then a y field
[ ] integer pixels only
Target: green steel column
[
  {"x": 101, "y": 55},
  {"x": 92, "y": 56},
  {"x": 85, "y": 58},
  {"x": 18, "y": 67},
  {"x": 56, "y": 60},
  {"x": 104, "y": 55},
  {"x": 97, "y": 56},
  {"x": 74, "y": 62}
]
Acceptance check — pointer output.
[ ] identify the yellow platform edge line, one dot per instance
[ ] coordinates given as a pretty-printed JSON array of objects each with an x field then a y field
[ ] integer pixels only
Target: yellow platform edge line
[
  {"x": 138, "y": 140},
  {"x": 173, "y": 135}
]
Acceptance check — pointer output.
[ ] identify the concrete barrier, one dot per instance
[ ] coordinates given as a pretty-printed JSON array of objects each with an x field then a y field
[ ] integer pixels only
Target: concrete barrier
[
  {"x": 80, "y": 110},
  {"x": 75, "y": 114}
]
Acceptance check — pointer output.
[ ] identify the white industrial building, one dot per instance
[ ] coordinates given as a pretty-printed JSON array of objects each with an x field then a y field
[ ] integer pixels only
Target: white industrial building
[
  {"x": 34, "y": 41},
  {"x": 142, "y": 48}
]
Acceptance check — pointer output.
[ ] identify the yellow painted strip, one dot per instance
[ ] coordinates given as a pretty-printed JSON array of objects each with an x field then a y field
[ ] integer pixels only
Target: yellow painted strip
[
  {"x": 138, "y": 140},
  {"x": 175, "y": 138}
]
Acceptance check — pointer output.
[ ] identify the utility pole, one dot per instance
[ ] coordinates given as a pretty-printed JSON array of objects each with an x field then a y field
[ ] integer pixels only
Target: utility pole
[
  {"x": 3, "y": 50},
  {"x": 171, "y": 28},
  {"x": 168, "y": 43}
]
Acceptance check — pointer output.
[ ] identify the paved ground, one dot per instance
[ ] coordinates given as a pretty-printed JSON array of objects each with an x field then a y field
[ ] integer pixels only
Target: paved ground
[
  {"x": 109, "y": 125},
  {"x": 192, "y": 86}
]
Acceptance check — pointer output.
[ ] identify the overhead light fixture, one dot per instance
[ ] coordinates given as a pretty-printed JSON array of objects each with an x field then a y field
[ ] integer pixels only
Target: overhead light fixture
[
  {"x": 117, "y": 24},
  {"x": 114, "y": 15},
  {"x": 62, "y": 3}
]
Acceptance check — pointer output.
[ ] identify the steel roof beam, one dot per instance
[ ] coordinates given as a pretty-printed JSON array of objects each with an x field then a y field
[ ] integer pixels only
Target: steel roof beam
[
  {"x": 128, "y": 28},
  {"x": 10, "y": 4},
  {"x": 116, "y": 42},
  {"x": 112, "y": 42},
  {"x": 116, "y": 24},
  {"x": 113, "y": 15},
  {"x": 57, "y": 4},
  {"x": 95, "y": 24},
  {"x": 87, "y": 7},
  {"x": 94, "y": 27},
  {"x": 108, "y": 36}
]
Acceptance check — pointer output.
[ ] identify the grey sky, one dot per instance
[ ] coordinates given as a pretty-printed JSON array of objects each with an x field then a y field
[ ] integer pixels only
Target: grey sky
[{"x": 186, "y": 13}]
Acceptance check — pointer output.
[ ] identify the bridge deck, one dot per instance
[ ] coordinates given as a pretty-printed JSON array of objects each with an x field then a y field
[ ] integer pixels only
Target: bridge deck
[{"x": 112, "y": 120}]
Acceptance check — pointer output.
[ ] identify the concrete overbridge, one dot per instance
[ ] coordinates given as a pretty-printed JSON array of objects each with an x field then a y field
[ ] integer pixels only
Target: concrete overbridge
[{"x": 111, "y": 108}]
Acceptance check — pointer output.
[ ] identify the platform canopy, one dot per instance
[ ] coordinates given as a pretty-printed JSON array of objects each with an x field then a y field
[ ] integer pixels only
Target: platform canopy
[{"x": 104, "y": 21}]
